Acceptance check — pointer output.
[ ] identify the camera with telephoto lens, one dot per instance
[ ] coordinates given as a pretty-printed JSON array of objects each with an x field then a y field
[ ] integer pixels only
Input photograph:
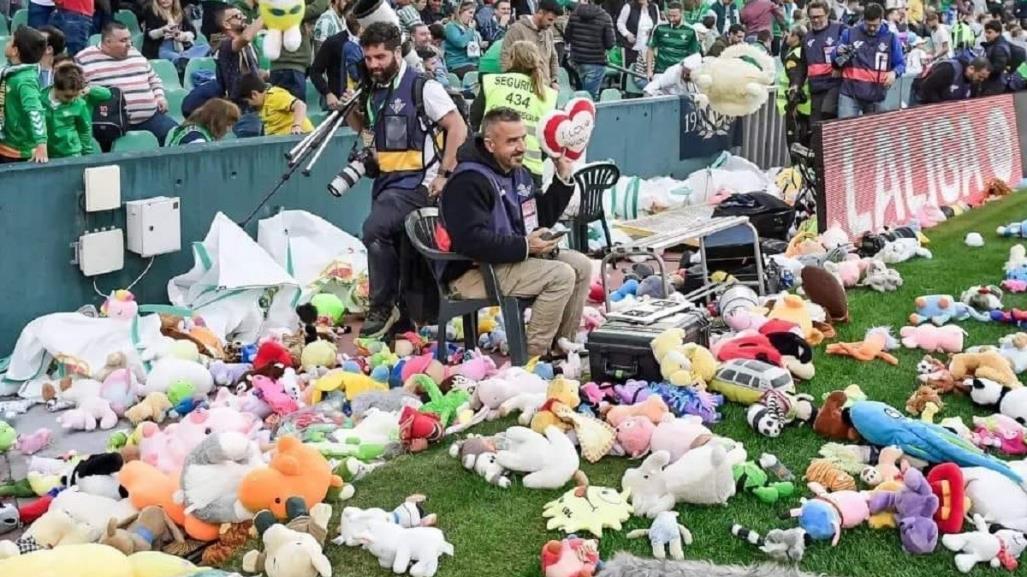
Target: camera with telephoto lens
[
  {"x": 361, "y": 163},
  {"x": 843, "y": 55}
]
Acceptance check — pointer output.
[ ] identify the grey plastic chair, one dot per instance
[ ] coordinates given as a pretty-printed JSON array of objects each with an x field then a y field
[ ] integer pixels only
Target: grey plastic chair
[{"x": 421, "y": 226}]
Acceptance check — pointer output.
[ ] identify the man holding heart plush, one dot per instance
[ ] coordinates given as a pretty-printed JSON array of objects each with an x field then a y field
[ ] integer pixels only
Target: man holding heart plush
[{"x": 493, "y": 213}]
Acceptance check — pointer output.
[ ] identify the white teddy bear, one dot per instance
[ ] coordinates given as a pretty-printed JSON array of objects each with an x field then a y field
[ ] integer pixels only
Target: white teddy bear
[
  {"x": 550, "y": 461},
  {"x": 397, "y": 547},
  {"x": 701, "y": 477},
  {"x": 999, "y": 549},
  {"x": 738, "y": 82}
]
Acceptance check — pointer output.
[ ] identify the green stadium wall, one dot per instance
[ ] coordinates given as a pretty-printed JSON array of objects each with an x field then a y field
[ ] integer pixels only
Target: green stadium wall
[{"x": 41, "y": 208}]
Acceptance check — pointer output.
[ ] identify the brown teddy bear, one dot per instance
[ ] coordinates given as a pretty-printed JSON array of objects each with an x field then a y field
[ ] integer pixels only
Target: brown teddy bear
[
  {"x": 154, "y": 407},
  {"x": 831, "y": 422},
  {"x": 148, "y": 531}
]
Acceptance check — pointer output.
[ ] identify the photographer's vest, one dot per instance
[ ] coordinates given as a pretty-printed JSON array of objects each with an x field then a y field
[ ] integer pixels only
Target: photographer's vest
[
  {"x": 819, "y": 49},
  {"x": 960, "y": 87},
  {"x": 399, "y": 134},
  {"x": 179, "y": 133},
  {"x": 863, "y": 79},
  {"x": 783, "y": 83},
  {"x": 513, "y": 90}
]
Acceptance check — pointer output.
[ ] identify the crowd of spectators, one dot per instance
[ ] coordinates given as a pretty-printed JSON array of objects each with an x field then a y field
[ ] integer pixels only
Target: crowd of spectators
[{"x": 220, "y": 85}]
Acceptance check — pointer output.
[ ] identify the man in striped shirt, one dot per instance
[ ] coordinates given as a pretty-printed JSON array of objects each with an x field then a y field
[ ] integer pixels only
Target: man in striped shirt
[{"x": 115, "y": 63}]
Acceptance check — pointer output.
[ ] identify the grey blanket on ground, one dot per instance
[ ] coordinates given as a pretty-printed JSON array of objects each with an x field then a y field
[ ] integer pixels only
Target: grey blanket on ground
[{"x": 627, "y": 565}]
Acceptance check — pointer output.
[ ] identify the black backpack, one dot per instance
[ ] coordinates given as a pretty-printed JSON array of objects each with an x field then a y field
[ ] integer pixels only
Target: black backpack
[
  {"x": 110, "y": 121},
  {"x": 771, "y": 216}
]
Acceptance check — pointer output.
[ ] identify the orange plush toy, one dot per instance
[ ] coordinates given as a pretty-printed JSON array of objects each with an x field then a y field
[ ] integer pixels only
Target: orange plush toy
[
  {"x": 875, "y": 346},
  {"x": 295, "y": 470},
  {"x": 148, "y": 485}
]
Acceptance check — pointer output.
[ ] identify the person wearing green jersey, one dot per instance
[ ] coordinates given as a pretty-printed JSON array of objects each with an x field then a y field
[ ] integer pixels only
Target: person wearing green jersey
[
  {"x": 670, "y": 42},
  {"x": 67, "y": 107}
]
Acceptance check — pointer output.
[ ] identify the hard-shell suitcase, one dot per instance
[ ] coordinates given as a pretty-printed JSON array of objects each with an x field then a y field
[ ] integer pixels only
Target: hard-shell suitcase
[{"x": 619, "y": 350}]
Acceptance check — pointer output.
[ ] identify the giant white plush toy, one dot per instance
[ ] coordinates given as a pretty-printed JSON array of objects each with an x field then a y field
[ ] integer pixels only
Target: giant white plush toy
[
  {"x": 211, "y": 476},
  {"x": 169, "y": 370},
  {"x": 999, "y": 549},
  {"x": 283, "y": 19},
  {"x": 997, "y": 498},
  {"x": 550, "y": 461},
  {"x": 701, "y": 477},
  {"x": 397, "y": 547},
  {"x": 736, "y": 83}
]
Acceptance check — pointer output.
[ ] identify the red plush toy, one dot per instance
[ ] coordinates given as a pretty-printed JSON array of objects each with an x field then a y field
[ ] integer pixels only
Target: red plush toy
[
  {"x": 754, "y": 347},
  {"x": 417, "y": 429},
  {"x": 572, "y": 557},
  {"x": 36, "y": 509},
  {"x": 271, "y": 352},
  {"x": 946, "y": 482}
]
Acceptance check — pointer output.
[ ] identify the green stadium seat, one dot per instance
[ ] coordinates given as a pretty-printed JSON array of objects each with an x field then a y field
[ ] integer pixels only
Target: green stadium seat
[
  {"x": 197, "y": 64},
  {"x": 94, "y": 40},
  {"x": 4, "y": 28},
  {"x": 563, "y": 97},
  {"x": 610, "y": 95},
  {"x": 582, "y": 94},
  {"x": 563, "y": 77},
  {"x": 167, "y": 72},
  {"x": 21, "y": 18},
  {"x": 96, "y": 147},
  {"x": 137, "y": 41},
  {"x": 471, "y": 81},
  {"x": 313, "y": 98},
  {"x": 129, "y": 19},
  {"x": 135, "y": 140},
  {"x": 201, "y": 39},
  {"x": 175, "y": 98},
  {"x": 317, "y": 117},
  {"x": 454, "y": 81}
]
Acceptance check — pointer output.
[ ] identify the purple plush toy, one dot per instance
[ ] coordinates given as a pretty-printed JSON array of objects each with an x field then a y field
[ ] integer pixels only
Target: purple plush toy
[
  {"x": 914, "y": 506},
  {"x": 633, "y": 391}
]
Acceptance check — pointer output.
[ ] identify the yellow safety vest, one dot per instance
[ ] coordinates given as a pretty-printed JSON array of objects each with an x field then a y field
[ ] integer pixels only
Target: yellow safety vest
[
  {"x": 803, "y": 109},
  {"x": 513, "y": 90}
]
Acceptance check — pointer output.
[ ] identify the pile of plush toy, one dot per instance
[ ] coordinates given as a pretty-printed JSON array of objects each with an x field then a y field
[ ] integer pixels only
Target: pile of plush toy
[{"x": 232, "y": 440}]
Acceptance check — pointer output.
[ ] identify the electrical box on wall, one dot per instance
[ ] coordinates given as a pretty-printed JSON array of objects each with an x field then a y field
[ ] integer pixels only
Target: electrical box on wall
[
  {"x": 154, "y": 226},
  {"x": 103, "y": 188},
  {"x": 101, "y": 252}
]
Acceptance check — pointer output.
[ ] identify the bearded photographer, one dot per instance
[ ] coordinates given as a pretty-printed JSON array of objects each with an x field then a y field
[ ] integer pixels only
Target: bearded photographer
[
  {"x": 412, "y": 130},
  {"x": 493, "y": 213}
]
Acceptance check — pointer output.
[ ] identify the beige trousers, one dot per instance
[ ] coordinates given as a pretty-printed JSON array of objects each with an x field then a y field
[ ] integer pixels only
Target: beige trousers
[{"x": 559, "y": 287}]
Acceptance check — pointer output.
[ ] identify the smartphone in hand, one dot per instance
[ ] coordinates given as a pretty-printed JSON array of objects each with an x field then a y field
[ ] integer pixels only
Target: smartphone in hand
[{"x": 550, "y": 235}]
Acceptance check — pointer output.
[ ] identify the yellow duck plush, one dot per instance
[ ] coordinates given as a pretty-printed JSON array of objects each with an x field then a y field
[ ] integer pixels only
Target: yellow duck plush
[
  {"x": 561, "y": 392},
  {"x": 282, "y": 19}
]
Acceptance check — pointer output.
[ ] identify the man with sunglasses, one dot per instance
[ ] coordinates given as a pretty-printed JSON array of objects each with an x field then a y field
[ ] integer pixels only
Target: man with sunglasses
[
  {"x": 818, "y": 48},
  {"x": 236, "y": 57}
]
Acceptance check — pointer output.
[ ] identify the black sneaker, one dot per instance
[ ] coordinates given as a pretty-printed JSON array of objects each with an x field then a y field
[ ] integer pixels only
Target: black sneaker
[{"x": 378, "y": 322}]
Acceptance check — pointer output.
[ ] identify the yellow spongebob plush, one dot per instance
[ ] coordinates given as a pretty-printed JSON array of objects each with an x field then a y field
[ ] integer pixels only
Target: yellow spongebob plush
[
  {"x": 282, "y": 19},
  {"x": 561, "y": 392}
]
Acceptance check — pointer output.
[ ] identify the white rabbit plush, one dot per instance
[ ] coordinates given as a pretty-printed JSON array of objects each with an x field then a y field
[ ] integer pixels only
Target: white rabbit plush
[
  {"x": 550, "y": 461},
  {"x": 701, "y": 477},
  {"x": 417, "y": 549}
]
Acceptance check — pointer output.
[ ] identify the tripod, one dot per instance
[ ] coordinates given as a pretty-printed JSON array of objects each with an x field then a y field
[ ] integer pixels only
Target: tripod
[{"x": 308, "y": 151}]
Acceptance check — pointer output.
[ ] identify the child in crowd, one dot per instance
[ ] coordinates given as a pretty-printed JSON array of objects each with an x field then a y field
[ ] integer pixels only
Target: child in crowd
[
  {"x": 68, "y": 106},
  {"x": 280, "y": 111},
  {"x": 22, "y": 126},
  {"x": 208, "y": 123}
]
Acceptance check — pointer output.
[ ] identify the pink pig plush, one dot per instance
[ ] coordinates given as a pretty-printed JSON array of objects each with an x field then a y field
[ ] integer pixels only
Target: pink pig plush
[
  {"x": 933, "y": 339},
  {"x": 634, "y": 435}
]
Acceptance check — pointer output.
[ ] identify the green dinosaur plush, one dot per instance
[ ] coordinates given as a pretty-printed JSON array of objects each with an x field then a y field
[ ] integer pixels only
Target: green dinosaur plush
[
  {"x": 447, "y": 406},
  {"x": 20, "y": 489},
  {"x": 750, "y": 477},
  {"x": 7, "y": 436}
]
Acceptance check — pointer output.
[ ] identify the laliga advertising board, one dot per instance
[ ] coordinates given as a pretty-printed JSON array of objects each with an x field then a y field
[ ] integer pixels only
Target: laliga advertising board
[{"x": 880, "y": 170}]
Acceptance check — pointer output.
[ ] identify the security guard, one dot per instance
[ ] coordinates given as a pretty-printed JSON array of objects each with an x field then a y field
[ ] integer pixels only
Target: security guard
[
  {"x": 524, "y": 89},
  {"x": 815, "y": 67},
  {"x": 793, "y": 99},
  {"x": 413, "y": 130}
]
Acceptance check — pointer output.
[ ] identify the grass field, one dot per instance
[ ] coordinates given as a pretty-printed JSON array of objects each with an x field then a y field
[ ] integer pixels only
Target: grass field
[{"x": 498, "y": 533}]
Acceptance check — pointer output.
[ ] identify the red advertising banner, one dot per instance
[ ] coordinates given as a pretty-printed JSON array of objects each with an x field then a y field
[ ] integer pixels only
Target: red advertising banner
[{"x": 879, "y": 170}]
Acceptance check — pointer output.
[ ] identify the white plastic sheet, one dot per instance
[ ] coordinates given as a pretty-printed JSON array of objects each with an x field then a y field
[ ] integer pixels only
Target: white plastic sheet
[
  {"x": 86, "y": 338},
  {"x": 235, "y": 285},
  {"x": 305, "y": 245}
]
